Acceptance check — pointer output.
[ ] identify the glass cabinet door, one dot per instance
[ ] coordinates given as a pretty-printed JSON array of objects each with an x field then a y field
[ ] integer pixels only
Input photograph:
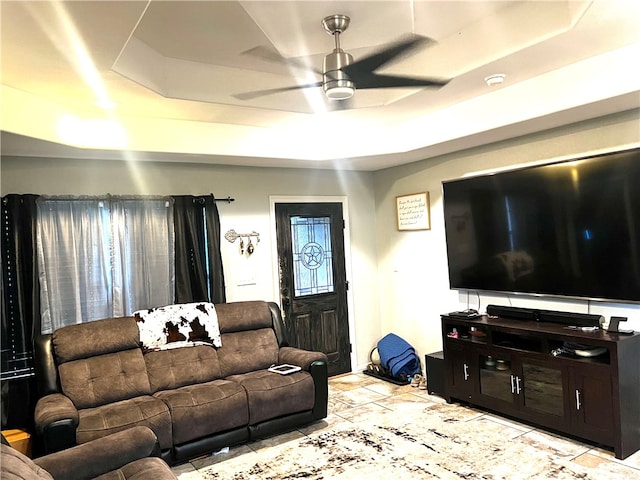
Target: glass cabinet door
[
  {"x": 542, "y": 388},
  {"x": 496, "y": 377}
]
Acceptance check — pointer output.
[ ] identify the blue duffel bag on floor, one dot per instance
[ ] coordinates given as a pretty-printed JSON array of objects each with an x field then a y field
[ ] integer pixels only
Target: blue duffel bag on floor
[{"x": 397, "y": 356}]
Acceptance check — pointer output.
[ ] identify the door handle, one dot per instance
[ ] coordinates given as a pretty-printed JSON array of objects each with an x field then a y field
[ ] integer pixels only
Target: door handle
[
  {"x": 518, "y": 385},
  {"x": 513, "y": 385},
  {"x": 466, "y": 371},
  {"x": 578, "y": 403},
  {"x": 286, "y": 301}
]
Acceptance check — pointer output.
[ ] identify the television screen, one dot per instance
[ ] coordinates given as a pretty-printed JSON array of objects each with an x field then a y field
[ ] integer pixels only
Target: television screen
[{"x": 564, "y": 229}]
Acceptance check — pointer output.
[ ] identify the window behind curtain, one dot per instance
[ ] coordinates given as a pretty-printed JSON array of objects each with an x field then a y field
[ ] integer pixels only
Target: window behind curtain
[{"x": 101, "y": 258}]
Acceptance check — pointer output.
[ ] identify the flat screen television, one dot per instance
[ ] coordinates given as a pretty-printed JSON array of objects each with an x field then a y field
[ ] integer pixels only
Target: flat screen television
[{"x": 569, "y": 229}]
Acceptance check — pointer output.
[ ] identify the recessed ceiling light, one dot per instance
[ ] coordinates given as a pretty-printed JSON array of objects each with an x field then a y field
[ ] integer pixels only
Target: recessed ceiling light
[{"x": 495, "y": 79}]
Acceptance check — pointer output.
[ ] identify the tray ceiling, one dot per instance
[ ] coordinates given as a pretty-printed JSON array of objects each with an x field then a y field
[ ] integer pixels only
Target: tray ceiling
[{"x": 158, "y": 79}]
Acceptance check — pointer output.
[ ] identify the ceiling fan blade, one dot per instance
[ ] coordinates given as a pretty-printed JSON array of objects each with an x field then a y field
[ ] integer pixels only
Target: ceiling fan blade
[
  {"x": 390, "y": 81},
  {"x": 372, "y": 62},
  {"x": 272, "y": 55},
  {"x": 271, "y": 91}
]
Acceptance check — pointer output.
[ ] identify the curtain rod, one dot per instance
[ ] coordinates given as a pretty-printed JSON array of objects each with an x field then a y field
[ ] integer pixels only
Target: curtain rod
[
  {"x": 121, "y": 197},
  {"x": 104, "y": 196}
]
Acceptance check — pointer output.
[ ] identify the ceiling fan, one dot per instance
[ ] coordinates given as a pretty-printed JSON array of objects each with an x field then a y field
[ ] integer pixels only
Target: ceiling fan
[{"x": 341, "y": 76}]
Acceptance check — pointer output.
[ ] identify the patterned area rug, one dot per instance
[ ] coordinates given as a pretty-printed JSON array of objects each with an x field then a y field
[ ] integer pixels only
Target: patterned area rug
[{"x": 437, "y": 444}]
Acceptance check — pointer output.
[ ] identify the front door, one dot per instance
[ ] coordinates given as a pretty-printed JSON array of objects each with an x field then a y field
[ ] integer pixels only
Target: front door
[{"x": 313, "y": 284}]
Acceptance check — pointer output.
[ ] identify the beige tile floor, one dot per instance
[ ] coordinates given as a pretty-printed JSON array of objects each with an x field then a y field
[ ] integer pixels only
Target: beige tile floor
[{"x": 357, "y": 397}]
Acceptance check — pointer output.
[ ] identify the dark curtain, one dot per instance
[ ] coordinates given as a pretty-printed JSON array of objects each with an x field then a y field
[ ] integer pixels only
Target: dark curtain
[
  {"x": 217, "y": 288},
  {"x": 199, "y": 273},
  {"x": 20, "y": 308}
]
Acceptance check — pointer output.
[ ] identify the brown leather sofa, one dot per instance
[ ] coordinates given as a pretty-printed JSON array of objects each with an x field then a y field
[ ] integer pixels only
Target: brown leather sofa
[
  {"x": 95, "y": 380},
  {"x": 126, "y": 455}
]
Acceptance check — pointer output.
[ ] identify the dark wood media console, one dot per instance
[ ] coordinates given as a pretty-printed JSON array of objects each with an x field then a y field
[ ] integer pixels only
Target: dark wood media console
[{"x": 507, "y": 366}]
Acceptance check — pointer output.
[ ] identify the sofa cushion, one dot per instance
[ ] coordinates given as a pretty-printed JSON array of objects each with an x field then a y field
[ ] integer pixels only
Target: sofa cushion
[
  {"x": 103, "y": 379},
  {"x": 242, "y": 316},
  {"x": 207, "y": 408},
  {"x": 95, "y": 338},
  {"x": 272, "y": 395},
  {"x": 143, "y": 469},
  {"x": 114, "y": 417},
  {"x": 14, "y": 464},
  {"x": 168, "y": 369},
  {"x": 247, "y": 351}
]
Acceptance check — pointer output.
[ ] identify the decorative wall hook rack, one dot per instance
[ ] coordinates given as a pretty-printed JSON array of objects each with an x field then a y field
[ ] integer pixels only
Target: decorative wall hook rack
[{"x": 232, "y": 236}]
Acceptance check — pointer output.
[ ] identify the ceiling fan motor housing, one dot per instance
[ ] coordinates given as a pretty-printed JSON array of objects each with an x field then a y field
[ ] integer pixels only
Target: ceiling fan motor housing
[{"x": 336, "y": 84}]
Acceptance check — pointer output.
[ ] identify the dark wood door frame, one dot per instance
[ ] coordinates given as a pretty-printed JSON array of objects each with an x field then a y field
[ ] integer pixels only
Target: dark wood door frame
[{"x": 347, "y": 253}]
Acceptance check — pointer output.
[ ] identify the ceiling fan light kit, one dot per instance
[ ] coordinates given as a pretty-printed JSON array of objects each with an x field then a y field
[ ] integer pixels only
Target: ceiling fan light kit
[
  {"x": 339, "y": 92},
  {"x": 336, "y": 84}
]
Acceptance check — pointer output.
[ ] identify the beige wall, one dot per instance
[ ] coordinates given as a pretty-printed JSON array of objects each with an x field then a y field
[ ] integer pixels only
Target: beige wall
[
  {"x": 399, "y": 280},
  {"x": 412, "y": 266},
  {"x": 251, "y": 188}
]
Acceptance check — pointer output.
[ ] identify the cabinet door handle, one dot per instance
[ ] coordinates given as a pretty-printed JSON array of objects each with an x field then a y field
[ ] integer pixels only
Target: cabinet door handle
[
  {"x": 518, "y": 385},
  {"x": 513, "y": 385},
  {"x": 466, "y": 371},
  {"x": 578, "y": 404}
]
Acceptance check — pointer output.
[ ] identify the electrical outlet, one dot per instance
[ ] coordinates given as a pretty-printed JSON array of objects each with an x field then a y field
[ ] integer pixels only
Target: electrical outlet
[{"x": 247, "y": 280}]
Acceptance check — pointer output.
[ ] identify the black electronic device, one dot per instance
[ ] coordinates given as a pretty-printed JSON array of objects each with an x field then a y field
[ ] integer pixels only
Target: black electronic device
[
  {"x": 560, "y": 229},
  {"x": 548, "y": 316},
  {"x": 516, "y": 313},
  {"x": 570, "y": 318},
  {"x": 614, "y": 326},
  {"x": 434, "y": 368},
  {"x": 468, "y": 313}
]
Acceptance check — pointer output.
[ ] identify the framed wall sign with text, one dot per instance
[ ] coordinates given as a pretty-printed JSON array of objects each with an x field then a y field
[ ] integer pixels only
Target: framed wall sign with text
[{"x": 412, "y": 212}]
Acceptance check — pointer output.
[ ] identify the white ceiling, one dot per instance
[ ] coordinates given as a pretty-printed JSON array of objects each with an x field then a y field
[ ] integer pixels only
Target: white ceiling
[{"x": 171, "y": 69}]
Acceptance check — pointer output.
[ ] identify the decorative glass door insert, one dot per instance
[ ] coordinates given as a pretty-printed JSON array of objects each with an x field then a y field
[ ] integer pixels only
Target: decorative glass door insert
[
  {"x": 312, "y": 255},
  {"x": 496, "y": 378}
]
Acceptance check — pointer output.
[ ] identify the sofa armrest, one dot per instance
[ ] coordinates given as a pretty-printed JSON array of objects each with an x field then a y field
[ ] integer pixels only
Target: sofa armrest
[
  {"x": 102, "y": 455},
  {"x": 53, "y": 408},
  {"x": 319, "y": 372},
  {"x": 56, "y": 419},
  {"x": 316, "y": 364},
  {"x": 299, "y": 357},
  {"x": 45, "y": 365}
]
